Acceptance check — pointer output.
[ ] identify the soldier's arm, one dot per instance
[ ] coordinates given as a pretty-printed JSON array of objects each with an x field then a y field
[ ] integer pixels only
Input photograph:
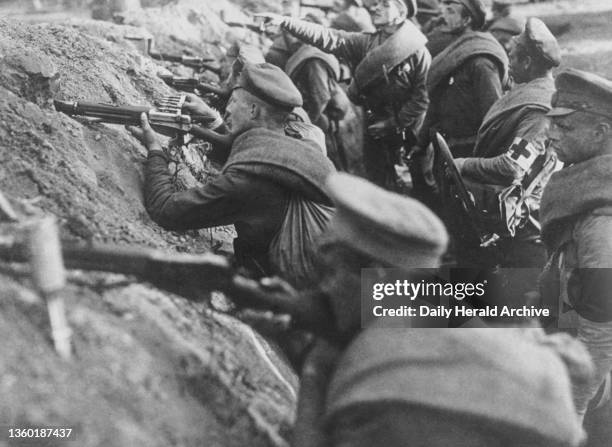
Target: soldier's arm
[
  {"x": 349, "y": 46},
  {"x": 413, "y": 77},
  {"x": 510, "y": 165},
  {"x": 220, "y": 202}
]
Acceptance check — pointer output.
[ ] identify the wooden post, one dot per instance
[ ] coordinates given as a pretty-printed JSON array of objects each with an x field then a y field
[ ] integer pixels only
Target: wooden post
[{"x": 49, "y": 277}]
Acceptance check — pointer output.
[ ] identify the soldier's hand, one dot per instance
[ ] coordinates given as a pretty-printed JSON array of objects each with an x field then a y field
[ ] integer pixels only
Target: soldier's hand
[
  {"x": 270, "y": 19},
  {"x": 278, "y": 286},
  {"x": 145, "y": 134},
  {"x": 196, "y": 106}
]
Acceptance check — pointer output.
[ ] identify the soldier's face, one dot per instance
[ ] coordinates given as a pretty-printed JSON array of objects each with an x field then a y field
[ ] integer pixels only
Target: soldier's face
[
  {"x": 518, "y": 63},
  {"x": 453, "y": 17},
  {"x": 573, "y": 137},
  {"x": 238, "y": 112},
  {"x": 383, "y": 12}
]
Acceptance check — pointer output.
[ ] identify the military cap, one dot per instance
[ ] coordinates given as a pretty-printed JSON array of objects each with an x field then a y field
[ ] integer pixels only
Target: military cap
[
  {"x": 579, "y": 91},
  {"x": 508, "y": 25},
  {"x": 394, "y": 229},
  {"x": 476, "y": 8},
  {"x": 270, "y": 84},
  {"x": 503, "y": 377},
  {"x": 428, "y": 7},
  {"x": 539, "y": 41}
]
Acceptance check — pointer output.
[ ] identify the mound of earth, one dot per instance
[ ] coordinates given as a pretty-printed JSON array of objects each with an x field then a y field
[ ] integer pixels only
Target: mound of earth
[{"x": 149, "y": 368}]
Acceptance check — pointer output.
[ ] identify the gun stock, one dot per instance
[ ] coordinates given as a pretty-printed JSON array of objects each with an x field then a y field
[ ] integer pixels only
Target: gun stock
[{"x": 442, "y": 149}]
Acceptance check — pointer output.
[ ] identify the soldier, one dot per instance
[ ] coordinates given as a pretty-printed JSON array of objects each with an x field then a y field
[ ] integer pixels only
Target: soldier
[
  {"x": 504, "y": 30},
  {"x": 511, "y": 149},
  {"x": 352, "y": 17},
  {"x": 428, "y": 11},
  {"x": 500, "y": 9},
  {"x": 398, "y": 387},
  {"x": 279, "y": 52},
  {"x": 266, "y": 180},
  {"x": 465, "y": 79},
  {"x": 502, "y": 25},
  {"x": 390, "y": 69},
  {"x": 576, "y": 213},
  {"x": 316, "y": 75},
  {"x": 465, "y": 388}
]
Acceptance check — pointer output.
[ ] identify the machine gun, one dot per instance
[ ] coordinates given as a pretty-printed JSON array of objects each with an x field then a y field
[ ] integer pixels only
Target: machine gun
[
  {"x": 199, "y": 64},
  {"x": 461, "y": 192},
  {"x": 168, "y": 119},
  {"x": 191, "y": 84},
  {"x": 190, "y": 276}
]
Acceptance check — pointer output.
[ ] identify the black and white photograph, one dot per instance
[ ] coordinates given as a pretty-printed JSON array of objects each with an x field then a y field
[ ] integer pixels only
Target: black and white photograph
[{"x": 306, "y": 223}]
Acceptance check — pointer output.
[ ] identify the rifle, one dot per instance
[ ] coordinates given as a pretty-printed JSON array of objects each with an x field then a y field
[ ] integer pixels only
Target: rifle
[
  {"x": 259, "y": 29},
  {"x": 446, "y": 158},
  {"x": 190, "y": 276},
  {"x": 191, "y": 84},
  {"x": 168, "y": 119},
  {"x": 195, "y": 62}
]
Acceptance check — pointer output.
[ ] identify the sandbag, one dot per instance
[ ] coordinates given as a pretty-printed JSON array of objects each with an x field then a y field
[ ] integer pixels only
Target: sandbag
[{"x": 292, "y": 250}]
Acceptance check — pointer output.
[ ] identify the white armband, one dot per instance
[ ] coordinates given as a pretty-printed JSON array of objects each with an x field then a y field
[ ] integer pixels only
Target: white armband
[{"x": 523, "y": 153}]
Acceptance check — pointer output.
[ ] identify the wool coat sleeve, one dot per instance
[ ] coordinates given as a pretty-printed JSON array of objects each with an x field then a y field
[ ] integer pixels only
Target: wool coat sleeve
[
  {"x": 351, "y": 47},
  {"x": 231, "y": 197},
  {"x": 504, "y": 169}
]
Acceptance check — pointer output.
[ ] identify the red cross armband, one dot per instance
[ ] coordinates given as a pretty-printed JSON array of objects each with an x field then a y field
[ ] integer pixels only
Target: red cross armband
[{"x": 523, "y": 153}]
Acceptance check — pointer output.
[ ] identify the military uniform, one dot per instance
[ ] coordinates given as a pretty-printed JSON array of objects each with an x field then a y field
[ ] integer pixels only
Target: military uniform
[
  {"x": 576, "y": 214},
  {"x": 264, "y": 171},
  {"x": 504, "y": 29},
  {"x": 465, "y": 79},
  {"x": 387, "y": 384},
  {"x": 511, "y": 149},
  {"x": 389, "y": 81},
  {"x": 316, "y": 75}
]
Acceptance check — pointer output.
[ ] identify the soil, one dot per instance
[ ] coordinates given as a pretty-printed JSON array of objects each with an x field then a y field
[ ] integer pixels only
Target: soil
[{"x": 149, "y": 368}]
